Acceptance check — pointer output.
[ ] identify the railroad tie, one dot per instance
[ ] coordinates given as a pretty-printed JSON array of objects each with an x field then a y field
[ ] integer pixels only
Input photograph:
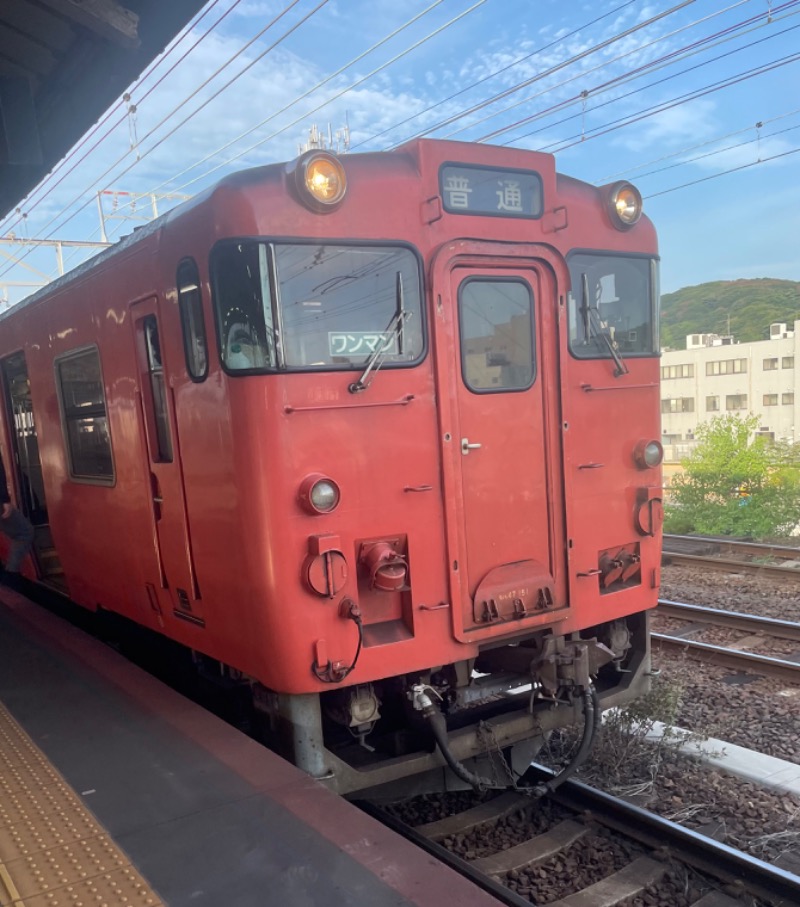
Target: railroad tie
[
  {"x": 462, "y": 823},
  {"x": 533, "y": 852},
  {"x": 626, "y": 883}
]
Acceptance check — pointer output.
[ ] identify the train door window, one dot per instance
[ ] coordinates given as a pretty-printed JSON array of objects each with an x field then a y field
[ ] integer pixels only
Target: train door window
[
  {"x": 192, "y": 322},
  {"x": 244, "y": 306},
  {"x": 83, "y": 411},
  {"x": 155, "y": 368},
  {"x": 496, "y": 324}
]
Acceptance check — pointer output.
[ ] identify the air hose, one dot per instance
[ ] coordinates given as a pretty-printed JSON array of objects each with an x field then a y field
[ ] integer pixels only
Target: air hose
[{"x": 438, "y": 725}]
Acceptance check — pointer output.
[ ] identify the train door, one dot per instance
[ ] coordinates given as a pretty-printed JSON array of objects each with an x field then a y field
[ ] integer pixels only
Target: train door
[
  {"x": 26, "y": 469},
  {"x": 177, "y": 579},
  {"x": 506, "y": 478}
]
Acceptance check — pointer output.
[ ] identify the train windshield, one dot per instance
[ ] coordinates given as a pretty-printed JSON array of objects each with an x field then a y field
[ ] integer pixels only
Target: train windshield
[
  {"x": 316, "y": 306},
  {"x": 613, "y": 306}
]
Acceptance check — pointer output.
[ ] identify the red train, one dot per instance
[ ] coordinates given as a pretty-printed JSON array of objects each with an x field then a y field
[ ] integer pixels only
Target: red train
[{"x": 376, "y": 437}]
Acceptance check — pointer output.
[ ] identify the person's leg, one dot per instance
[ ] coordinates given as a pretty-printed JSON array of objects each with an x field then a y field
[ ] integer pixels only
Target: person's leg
[{"x": 20, "y": 532}]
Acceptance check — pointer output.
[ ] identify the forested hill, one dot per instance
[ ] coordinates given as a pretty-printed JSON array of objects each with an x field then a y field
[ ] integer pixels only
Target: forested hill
[{"x": 751, "y": 305}]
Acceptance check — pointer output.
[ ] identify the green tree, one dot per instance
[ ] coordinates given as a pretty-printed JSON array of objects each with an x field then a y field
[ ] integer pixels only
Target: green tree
[{"x": 736, "y": 483}]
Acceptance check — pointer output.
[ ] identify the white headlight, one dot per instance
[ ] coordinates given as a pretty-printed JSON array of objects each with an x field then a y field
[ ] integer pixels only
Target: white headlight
[
  {"x": 324, "y": 495},
  {"x": 624, "y": 205},
  {"x": 318, "y": 494},
  {"x": 648, "y": 454}
]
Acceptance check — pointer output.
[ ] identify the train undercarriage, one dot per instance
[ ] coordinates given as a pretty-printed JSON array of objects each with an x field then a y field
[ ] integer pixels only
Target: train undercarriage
[{"x": 472, "y": 724}]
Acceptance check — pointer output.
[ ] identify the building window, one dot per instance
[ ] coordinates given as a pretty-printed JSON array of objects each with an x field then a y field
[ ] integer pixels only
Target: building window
[
  {"x": 678, "y": 405},
  {"x": 770, "y": 399},
  {"x": 787, "y": 399},
  {"x": 712, "y": 404},
  {"x": 736, "y": 401},
  {"x": 771, "y": 365},
  {"x": 726, "y": 367},
  {"x": 787, "y": 362},
  {"x": 677, "y": 371},
  {"x": 83, "y": 410}
]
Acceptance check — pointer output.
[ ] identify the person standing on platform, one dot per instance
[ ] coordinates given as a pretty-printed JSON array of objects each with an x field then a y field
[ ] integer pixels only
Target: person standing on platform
[{"x": 18, "y": 530}]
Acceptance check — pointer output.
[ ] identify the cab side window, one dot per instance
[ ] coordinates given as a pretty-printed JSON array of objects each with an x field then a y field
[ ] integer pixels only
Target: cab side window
[{"x": 190, "y": 302}]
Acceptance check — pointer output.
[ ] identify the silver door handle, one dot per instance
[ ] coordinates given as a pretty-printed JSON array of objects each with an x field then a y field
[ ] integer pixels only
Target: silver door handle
[{"x": 466, "y": 447}]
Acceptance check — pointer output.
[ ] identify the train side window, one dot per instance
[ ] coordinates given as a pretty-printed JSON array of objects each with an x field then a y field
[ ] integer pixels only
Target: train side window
[
  {"x": 193, "y": 324},
  {"x": 496, "y": 326},
  {"x": 83, "y": 411},
  {"x": 155, "y": 368}
]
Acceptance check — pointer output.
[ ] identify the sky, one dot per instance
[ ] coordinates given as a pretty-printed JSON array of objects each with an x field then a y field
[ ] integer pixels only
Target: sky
[{"x": 697, "y": 102}]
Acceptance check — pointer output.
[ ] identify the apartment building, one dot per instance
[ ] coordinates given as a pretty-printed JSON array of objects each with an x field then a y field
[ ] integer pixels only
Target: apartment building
[{"x": 716, "y": 375}]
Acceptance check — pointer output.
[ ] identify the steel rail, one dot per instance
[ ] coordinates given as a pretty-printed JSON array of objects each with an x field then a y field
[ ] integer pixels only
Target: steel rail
[
  {"x": 727, "y": 566},
  {"x": 759, "y": 549},
  {"x": 734, "y": 620},
  {"x": 719, "y": 860},
  {"x": 735, "y": 658},
  {"x": 463, "y": 867}
]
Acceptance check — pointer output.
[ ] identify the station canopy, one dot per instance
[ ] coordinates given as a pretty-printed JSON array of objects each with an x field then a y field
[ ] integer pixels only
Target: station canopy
[{"x": 62, "y": 64}]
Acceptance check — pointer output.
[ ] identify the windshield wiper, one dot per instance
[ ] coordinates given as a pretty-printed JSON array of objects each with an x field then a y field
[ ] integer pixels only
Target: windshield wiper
[
  {"x": 593, "y": 327},
  {"x": 395, "y": 328}
]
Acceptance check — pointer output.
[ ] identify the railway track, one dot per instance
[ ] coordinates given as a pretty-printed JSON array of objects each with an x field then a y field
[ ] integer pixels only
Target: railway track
[
  {"x": 755, "y": 627},
  {"x": 653, "y": 848},
  {"x": 732, "y": 556}
]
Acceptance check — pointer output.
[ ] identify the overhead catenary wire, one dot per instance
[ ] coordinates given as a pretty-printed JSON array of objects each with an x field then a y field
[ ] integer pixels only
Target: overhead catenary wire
[
  {"x": 575, "y": 58},
  {"x": 334, "y": 97},
  {"x": 271, "y": 47},
  {"x": 30, "y": 204},
  {"x": 720, "y": 138},
  {"x": 303, "y": 96},
  {"x": 562, "y": 145},
  {"x": 570, "y": 102},
  {"x": 722, "y": 150},
  {"x": 692, "y": 49},
  {"x": 496, "y": 73},
  {"x": 783, "y": 6},
  {"x": 230, "y": 160},
  {"x": 713, "y": 176}
]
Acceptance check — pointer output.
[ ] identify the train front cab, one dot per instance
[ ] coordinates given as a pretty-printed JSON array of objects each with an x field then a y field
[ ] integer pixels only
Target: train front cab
[{"x": 551, "y": 513}]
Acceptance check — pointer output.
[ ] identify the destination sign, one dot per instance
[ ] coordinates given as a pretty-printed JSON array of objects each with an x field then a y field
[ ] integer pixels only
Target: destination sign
[{"x": 500, "y": 193}]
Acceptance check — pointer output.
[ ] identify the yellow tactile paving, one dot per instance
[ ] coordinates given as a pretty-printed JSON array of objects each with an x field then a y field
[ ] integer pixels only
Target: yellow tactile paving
[{"x": 53, "y": 852}]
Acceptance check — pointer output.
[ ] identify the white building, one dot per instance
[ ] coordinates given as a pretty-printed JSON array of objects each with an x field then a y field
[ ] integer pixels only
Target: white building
[{"x": 715, "y": 375}]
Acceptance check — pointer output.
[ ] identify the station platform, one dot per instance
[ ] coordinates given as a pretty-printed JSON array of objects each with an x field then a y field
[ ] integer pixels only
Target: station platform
[{"x": 115, "y": 791}]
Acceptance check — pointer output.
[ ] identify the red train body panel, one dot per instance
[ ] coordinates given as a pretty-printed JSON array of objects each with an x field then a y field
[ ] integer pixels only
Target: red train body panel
[{"x": 491, "y": 487}]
